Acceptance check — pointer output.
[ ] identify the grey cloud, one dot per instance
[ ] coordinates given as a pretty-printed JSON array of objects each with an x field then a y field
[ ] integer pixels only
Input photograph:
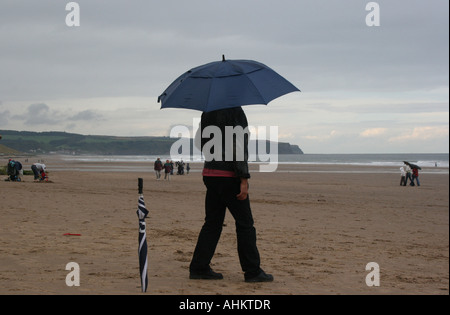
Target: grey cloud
[
  {"x": 407, "y": 108},
  {"x": 85, "y": 115},
  {"x": 136, "y": 49},
  {"x": 126, "y": 49},
  {"x": 4, "y": 117},
  {"x": 38, "y": 114},
  {"x": 42, "y": 114}
]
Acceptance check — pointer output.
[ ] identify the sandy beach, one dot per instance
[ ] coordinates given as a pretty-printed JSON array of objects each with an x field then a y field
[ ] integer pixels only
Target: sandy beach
[{"x": 317, "y": 226}]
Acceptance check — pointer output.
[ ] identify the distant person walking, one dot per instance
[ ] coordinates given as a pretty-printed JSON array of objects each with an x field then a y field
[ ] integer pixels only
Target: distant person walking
[
  {"x": 403, "y": 176},
  {"x": 158, "y": 167},
  {"x": 415, "y": 176},
  {"x": 167, "y": 170},
  {"x": 408, "y": 174},
  {"x": 171, "y": 167}
]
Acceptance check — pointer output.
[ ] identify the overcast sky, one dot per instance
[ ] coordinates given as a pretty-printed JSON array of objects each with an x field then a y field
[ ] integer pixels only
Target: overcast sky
[{"x": 378, "y": 89}]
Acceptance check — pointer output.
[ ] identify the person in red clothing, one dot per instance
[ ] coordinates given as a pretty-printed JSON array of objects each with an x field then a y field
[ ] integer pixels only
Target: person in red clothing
[
  {"x": 226, "y": 184},
  {"x": 44, "y": 176},
  {"x": 415, "y": 176}
]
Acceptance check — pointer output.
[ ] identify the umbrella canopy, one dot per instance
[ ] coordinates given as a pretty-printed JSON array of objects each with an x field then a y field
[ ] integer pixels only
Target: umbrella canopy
[
  {"x": 225, "y": 84},
  {"x": 142, "y": 213},
  {"x": 412, "y": 165}
]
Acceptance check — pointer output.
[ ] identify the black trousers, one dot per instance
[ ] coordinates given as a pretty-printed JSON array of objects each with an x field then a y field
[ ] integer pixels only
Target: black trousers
[{"x": 221, "y": 194}]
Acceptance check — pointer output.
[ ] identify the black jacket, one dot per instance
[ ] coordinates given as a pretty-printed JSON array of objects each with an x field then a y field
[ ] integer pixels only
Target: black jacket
[{"x": 235, "y": 160}]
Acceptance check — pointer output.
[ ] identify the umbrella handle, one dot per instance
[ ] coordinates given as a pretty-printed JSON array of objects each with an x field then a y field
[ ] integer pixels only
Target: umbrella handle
[{"x": 140, "y": 185}]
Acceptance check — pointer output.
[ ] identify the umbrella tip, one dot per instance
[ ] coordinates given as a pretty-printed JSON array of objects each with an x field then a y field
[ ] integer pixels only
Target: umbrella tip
[{"x": 223, "y": 57}]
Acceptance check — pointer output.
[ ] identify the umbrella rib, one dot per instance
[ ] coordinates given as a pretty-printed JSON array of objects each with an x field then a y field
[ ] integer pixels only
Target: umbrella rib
[{"x": 209, "y": 93}]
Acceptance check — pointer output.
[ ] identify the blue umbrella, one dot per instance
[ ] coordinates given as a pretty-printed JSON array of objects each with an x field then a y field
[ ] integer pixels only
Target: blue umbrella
[
  {"x": 225, "y": 84},
  {"x": 142, "y": 213}
]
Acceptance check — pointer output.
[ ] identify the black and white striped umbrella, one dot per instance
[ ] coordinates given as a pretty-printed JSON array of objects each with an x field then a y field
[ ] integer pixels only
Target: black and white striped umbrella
[{"x": 142, "y": 213}]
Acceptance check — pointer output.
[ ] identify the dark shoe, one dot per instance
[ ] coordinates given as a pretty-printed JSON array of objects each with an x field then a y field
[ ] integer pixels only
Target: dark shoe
[
  {"x": 208, "y": 275},
  {"x": 261, "y": 277}
]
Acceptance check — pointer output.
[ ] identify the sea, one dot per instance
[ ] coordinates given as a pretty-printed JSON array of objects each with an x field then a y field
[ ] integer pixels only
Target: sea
[{"x": 437, "y": 163}]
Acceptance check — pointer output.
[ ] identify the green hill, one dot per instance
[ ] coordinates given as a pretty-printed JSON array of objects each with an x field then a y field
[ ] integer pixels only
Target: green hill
[
  {"x": 71, "y": 143},
  {"x": 4, "y": 150}
]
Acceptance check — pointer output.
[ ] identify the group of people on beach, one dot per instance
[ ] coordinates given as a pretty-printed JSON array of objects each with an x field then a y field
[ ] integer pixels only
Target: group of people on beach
[
  {"x": 15, "y": 171},
  {"x": 409, "y": 173},
  {"x": 168, "y": 168}
]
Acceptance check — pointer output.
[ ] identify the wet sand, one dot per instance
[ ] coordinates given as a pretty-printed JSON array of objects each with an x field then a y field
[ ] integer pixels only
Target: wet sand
[{"x": 318, "y": 226}]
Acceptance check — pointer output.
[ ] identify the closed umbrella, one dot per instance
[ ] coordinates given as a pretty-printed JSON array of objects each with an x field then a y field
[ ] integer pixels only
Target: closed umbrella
[{"x": 142, "y": 213}]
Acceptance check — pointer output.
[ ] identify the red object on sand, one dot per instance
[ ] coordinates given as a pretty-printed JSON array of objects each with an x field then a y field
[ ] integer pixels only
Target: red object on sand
[{"x": 72, "y": 234}]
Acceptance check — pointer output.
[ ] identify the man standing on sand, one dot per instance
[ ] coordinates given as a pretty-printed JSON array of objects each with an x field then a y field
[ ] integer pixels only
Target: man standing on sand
[
  {"x": 227, "y": 187},
  {"x": 408, "y": 174},
  {"x": 415, "y": 176},
  {"x": 167, "y": 170},
  {"x": 158, "y": 167},
  {"x": 403, "y": 176}
]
